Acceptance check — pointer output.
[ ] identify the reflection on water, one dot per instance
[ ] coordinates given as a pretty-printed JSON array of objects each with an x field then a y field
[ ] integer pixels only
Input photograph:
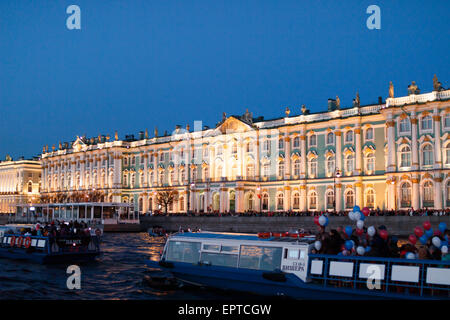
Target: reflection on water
[{"x": 118, "y": 274}]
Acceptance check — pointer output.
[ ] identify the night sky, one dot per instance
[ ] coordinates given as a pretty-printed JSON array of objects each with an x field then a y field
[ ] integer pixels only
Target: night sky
[{"x": 140, "y": 64}]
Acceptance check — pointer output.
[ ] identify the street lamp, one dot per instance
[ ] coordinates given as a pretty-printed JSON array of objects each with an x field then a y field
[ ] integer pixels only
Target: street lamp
[
  {"x": 337, "y": 174},
  {"x": 259, "y": 196}
]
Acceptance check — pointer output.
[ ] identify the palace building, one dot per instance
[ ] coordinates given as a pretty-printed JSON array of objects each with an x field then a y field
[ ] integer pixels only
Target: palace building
[
  {"x": 391, "y": 155},
  {"x": 20, "y": 182}
]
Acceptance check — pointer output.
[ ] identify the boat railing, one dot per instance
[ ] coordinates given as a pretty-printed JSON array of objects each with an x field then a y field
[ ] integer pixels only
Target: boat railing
[{"x": 390, "y": 275}]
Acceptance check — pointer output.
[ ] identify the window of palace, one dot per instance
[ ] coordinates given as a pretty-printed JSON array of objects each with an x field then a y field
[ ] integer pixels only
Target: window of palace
[
  {"x": 194, "y": 174},
  {"x": 330, "y": 165},
  {"x": 405, "y": 157},
  {"x": 161, "y": 177},
  {"x": 349, "y": 164},
  {"x": 30, "y": 187},
  {"x": 313, "y": 167},
  {"x": 133, "y": 160},
  {"x": 427, "y": 155},
  {"x": 349, "y": 136},
  {"x": 370, "y": 163},
  {"x": 248, "y": 147},
  {"x": 296, "y": 142},
  {"x": 312, "y": 140},
  {"x": 133, "y": 180},
  {"x": 447, "y": 154},
  {"x": 150, "y": 179},
  {"x": 205, "y": 173},
  {"x": 219, "y": 172},
  {"x": 205, "y": 153},
  {"x": 161, "y": 156},
  {"x": 125, "y": 162},
  {"x": 297, "y": 167},
  {"x": 349, "y": 199},
  {"x": 266, "y": 169},
  {"x": 280, "y": 144},
  {"x": 428, "y": 196},
  {"x": 182, "y": 175},
  {"x": 265, "y": 201},
  {"x": 312, "y": 200},
  {"x": 125, "y": 179},
  {"x": 181, "y": 205},
  {"x": 405, "y": 125},
  {"x": 234, "y": 148},
  {"x": 280, "y": 201},
  {"x": 447, "y": 192},
  {"x": 330, "y": 138},
  {"x": 172, "y": 177},
  {"x": 296, "y": 201},
  {"x": 330, "y": 199},
  {"x": 219, "y": 150},
  {"x": 281, "y": 169},
  {"x": 250, "y": 171},
  {"x": 370, "y": 198},
  {"x": 266, "y": 145},
  {"x": 426, "y": 123},
  {"x": 369, "y": 134},
  {"x": 447, "y": 120}
]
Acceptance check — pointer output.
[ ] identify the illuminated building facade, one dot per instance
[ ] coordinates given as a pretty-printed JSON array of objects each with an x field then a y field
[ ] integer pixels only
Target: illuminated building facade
[
  {"x": 20, "y": 182},
  {"x": 391, "y": 155}
]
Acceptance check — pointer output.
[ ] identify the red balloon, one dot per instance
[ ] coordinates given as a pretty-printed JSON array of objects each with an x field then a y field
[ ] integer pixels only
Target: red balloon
[
  {"x": 437, "y": 233},
  {"x": 427, "y": 225},
  {"x": 359, "y": 232},
  {"x": 412, "y": 238},
  {"x": 366, "y": 211},
  {"x": 418, "y": 232},
  {"x": 316, "y": 220},
  {"x": 383, "y": 234}
]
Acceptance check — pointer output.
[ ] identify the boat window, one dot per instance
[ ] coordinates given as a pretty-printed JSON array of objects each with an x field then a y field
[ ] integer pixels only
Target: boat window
[
  {"x": 292, "y": 254},
  {"x": 218, "y": 259},
  {"x": 183, "y": 251},
  {"x": 97, "y": 212},
  {"x": 211, "y": 247},
  {"x": 260, "y": 258},
  {"x": 230, "y": 249}
]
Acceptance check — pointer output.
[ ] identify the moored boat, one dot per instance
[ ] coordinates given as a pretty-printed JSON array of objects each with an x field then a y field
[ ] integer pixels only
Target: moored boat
[{"x": 282, "y": 264}]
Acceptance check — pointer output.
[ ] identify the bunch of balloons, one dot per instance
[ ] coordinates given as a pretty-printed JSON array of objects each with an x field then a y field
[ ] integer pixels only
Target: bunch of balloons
[
  {"x": 321, "y": 220},
  {"x": 423, "y": 236},
  {"x": 358, "y": 214}
]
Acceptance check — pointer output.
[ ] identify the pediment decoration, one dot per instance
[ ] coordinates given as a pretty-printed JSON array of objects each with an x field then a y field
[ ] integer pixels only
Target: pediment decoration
[
  {"x": 231, "y": 125},
  {"x": 78, "y": 144}
]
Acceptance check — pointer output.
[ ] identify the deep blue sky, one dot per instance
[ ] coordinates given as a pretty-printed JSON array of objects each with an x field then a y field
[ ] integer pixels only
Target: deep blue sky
[{"x": 137, "y": 64}]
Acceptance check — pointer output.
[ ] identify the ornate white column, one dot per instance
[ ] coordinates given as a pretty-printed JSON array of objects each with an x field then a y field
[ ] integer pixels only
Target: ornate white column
[
  {"x": 414, "y": 144},
  {"x": 99, "y": 171},
  {"x": 391, "y": 144},
  {"x": 222, "y": 199},
  {"x": 239, "y": 200},
  {"x": 303, "y": 199},
  {"x": 258, "y": 160},
  {"x": 338, "y": 195},
  {"x": 438, "y": 205},
  {"x": 155, "y": 168},
  {"x": 358, "y": 150},
  {"x": 287, "y": 198},
  {"x": 359, "y": 193},
  {"x": 392, "y": 193},
  {"x": 145, "y": 155},
  {"x": 303, "y": 155},
  {"x": 338, "y": 159},
  {"x": 415, "y": 197},
  {"x": 437, "y": 140},
  {"x": 287, "y": 148}
]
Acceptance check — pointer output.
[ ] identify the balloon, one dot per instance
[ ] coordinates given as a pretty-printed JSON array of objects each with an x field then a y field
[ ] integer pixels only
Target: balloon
[
  {"x": 359, "y": 232},
  {"x": 326, "y": 221},
  {"x": 427, "y": 225},
  {"x": 383, "y": 234},
  {"x": 345, "y": 253},
  {"x": 423, "y": 239},
  {"x": 360, "y": 224},
  {"x": 362, "y": 216},
  {"x": 418, "y": 232},
  {"x": 348, "y": 230},
  {"x": 429, "y": 233},
  {"x": 322, "y": 220},
  {"x": 371, "y": 231},
  {"x": 356, "y": 208},
  {"x": 360, "y": 250},
  {"x": 444, "y": 249},
  {"x": 348, "y": 245},
  {"x": 316, "y": 220},
  {"x": 368, "y": 249},
  {"x": 444, "y": 243},
  {"x": 437, "y": 233},
  {"x": 442, "y": 227},
  {"x": 410, "y": 255},
  {"x": 436, "y": 242},
  {"x": 317, "y": 245},
  {"x": 365, "y": 211},
  {"x": 357, "y": 215},
  {"x": 351, "y": 215},
  {"x": 412, "y": 238}
]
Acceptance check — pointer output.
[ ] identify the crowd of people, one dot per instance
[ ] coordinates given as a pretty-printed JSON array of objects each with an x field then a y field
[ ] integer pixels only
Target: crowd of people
[
  {"x": 57, "y": 229},
  {"x": 333, "y": 242}
]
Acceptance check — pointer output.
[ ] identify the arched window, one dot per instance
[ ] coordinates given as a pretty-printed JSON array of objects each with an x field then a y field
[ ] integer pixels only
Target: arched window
[
  {"x": 349, "y": 163},
  {"x": 234, "y": 148},
  {"x": 447, "y": 154},
  {"x": 349, "y": 136},
  {"x": 266, "y": 145},
  {"x": 312, "y": 140},
  {"x": 426, "y": 123},
  {"x": 330, "y": 165},
  {"x": 312, "y": 200},
  {"x": 125, "y": 179},
  {"x": 296, "y": 202},
  {"x": 370, "y": 198},
  {"x": 405, "y": 195},
  {"x": 427, "y": 155},
  {"x": 30, "y": 187},
  {"x": 330, "y": 138},
  {"x": 447, "y": 120},
  {"x": 281, "y": 169},
  {"x": 140, "y": 205},
  {"x": 280, "y": 201},
  {"x": 141, "y": 179},
  {"x": 405, "y": 157},
  {"x": 172, "y": 177},
  {"x": 181, "y": 204},
  {"x": 161, "y": 176},
  {"x": 182, "y": 175},
  {"x": 369, "y": 134},
  {"x": 219, "y": 172},
  {"x": 150, "y": 204},
  {"x": 370, "y": 163},
  {"x": 296, "y": 142},
  {"x": 447, "y": 192},
  {"x": 249, "y": 147},
  {"x": 428, "y": 198},
  {"x": 349, "y": 199},
  {"x": 265, "y": 201},
  {"x": 150, "y": 178},
  {"x": 194, "y": 174},
  {"x": 250, "y": 202},
  {"x": 133, "y": 180},
  {"x": 250, "y": 171},
  {"x": 281, "y": 144},
  {"x": 266, "y": 169},
  {"x": 405, "y": 125},
  {"x": 313, "y": 167},
  {"x": 297, "y": 167},
  {"x": 330, "y": 199},
  {"x": 205, "y": 173}
]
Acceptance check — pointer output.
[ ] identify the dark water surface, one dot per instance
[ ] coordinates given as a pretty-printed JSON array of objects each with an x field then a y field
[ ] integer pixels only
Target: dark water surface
[{"x": 118, "y": 274}]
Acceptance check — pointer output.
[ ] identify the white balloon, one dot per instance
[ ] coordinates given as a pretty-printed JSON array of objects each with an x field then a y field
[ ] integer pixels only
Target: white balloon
[
  {"x": 371, "y": 231},
  {"x": 351, "y": 215},
  {"x": 444, "y": 249},
  {"x": 360, "y": 250},
  {"x": 436, "y": 242},
  {"x": 317, "y": 245},
  {"x": 360, "y": 224},
  {"x": 322, "y": 220},
  {"x": 410, "y": 256},
  {"x": 357, "y": 215}
]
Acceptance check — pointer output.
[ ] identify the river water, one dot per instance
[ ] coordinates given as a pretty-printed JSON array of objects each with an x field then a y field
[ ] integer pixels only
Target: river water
[{"x": 118, "y": 274}]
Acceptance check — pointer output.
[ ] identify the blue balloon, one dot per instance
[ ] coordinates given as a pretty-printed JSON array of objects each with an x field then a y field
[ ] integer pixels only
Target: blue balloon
[
  {"x": 348, "y": 245},
  {"x": 356, "y": 208},
  {"x": 444, "y": 243},
  {"x": 326, "y": 222},
  {"x": 362, "y": 216},
  {"x": 348, "y": 230},
  {"x": 368, "y": 249},
  {"x": 446, "y": 238},
  {"x": 423, "y": 239},
  {"x": 442, "y": 227},
  {"x": 429, "y": 233}
]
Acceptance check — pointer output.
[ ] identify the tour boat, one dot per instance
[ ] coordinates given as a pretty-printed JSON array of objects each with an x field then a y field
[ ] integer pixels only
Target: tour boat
[
  {"x": 282, "y": 264},
  {"x": 41, "y": 249}
]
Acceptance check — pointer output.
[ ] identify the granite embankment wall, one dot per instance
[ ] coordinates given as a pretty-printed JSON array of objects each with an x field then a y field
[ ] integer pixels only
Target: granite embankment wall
[
  {"x": 3, "y": 219},
  {"x": 401, "y": 225}
]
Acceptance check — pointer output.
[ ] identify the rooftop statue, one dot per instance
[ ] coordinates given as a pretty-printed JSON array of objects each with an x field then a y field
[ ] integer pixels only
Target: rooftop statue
[
  {"x": 413, "y": 89},
  {"x": 437, "y": 86},
  {"x": 338, "y": 102},
  {"x": 391, "y": 90}
]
